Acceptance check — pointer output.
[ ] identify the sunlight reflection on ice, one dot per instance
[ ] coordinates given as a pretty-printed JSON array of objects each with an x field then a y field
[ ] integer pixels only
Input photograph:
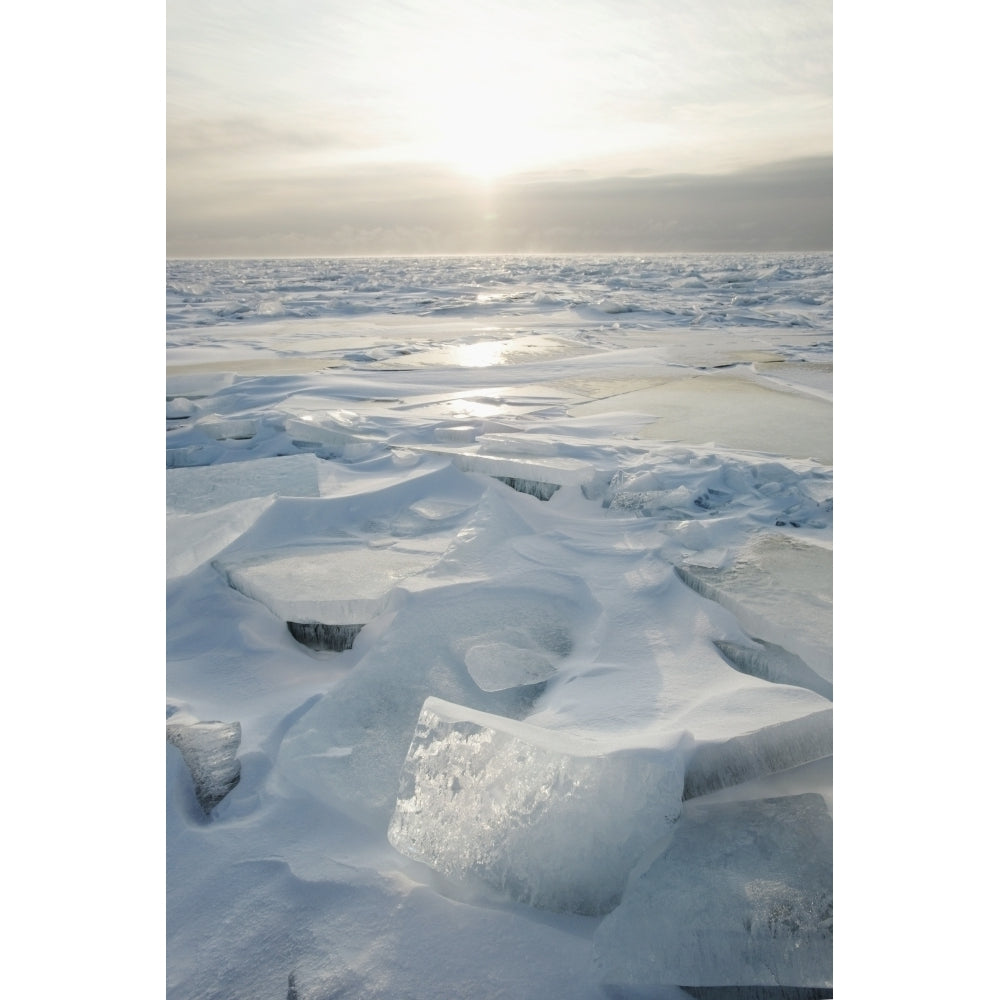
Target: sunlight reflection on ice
[
  {"x": 473, "y": 408},
  {"x": 481, "y": 355}
]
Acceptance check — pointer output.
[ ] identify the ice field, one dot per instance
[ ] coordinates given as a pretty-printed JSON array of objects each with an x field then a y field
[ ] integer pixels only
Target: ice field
[{"x": 499, "y": 628}]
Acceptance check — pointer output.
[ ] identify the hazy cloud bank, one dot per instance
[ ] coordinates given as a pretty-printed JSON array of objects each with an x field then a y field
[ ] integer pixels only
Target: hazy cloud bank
[{"x": 389, "y": 210}]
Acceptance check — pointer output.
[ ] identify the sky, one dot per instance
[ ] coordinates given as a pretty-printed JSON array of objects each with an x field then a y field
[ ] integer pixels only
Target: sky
[{"x": 317, "y": 127}]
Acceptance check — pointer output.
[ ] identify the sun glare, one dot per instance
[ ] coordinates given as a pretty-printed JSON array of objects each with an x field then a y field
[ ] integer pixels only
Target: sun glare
[
  {"x": 492, "y": 102},
  {"x": 487, "y": 136}
]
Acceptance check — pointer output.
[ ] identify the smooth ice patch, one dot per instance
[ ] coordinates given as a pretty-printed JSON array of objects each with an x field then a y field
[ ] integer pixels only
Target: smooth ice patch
[{"x": 732, "y": 411}]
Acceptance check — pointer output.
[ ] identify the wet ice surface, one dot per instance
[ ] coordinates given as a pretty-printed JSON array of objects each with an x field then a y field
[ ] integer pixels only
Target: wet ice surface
[{"x": 555, "y": 534}]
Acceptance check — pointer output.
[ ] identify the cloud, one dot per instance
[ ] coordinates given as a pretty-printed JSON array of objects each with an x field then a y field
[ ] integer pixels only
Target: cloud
[{"x": 394, "y": 210}]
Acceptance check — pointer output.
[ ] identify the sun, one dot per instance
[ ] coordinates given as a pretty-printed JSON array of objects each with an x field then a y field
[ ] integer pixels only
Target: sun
[
  {"x": 492, "y": 102},
  {"x": 488, "y": 135}
]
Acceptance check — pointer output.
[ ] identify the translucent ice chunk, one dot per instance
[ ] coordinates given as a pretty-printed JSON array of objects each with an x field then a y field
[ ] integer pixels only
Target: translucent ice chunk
[
  {"x": 223, "y": 429},
  {"x": 741, "y": 895},
  {"x": 541, "y": 816},
  {"x": 496, "y": 666}
]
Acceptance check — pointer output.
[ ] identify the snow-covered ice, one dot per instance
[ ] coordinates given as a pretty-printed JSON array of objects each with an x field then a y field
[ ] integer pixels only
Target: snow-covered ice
[{"x": 510, "y": 579}]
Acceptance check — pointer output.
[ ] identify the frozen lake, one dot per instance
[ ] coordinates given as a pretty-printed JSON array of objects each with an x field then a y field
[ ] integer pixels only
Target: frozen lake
[{"x": 499, "y": 627}]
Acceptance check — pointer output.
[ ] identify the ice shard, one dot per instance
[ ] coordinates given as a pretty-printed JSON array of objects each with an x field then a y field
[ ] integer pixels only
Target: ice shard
[
  {"x": 546, "y": 818},
  {"x": 209, "y": 751},
  {"x": 739, "y": 897},
  {"x": 770, "y": 662}
]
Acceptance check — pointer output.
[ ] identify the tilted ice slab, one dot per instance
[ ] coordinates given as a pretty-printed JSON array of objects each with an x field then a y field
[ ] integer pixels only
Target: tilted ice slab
[
  {"x": 767, "y": 750},
  {"x": 781, "y": 590},
  {"x": 338, "y": 439},
  {"x": 209, "y": 751},
  {"x": 541, "y": 816},
  {"x": 741, "y": 895},
  {"x": 193, "y": 539},
  {"x": 338, "y": 585},
  {"x": 518, "y": 458}
]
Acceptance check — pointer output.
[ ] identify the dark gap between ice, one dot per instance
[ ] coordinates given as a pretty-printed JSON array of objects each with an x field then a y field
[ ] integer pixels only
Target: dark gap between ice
[
  {"x": 318, "y": 636},
  {"x": 532, "y": 487}
]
